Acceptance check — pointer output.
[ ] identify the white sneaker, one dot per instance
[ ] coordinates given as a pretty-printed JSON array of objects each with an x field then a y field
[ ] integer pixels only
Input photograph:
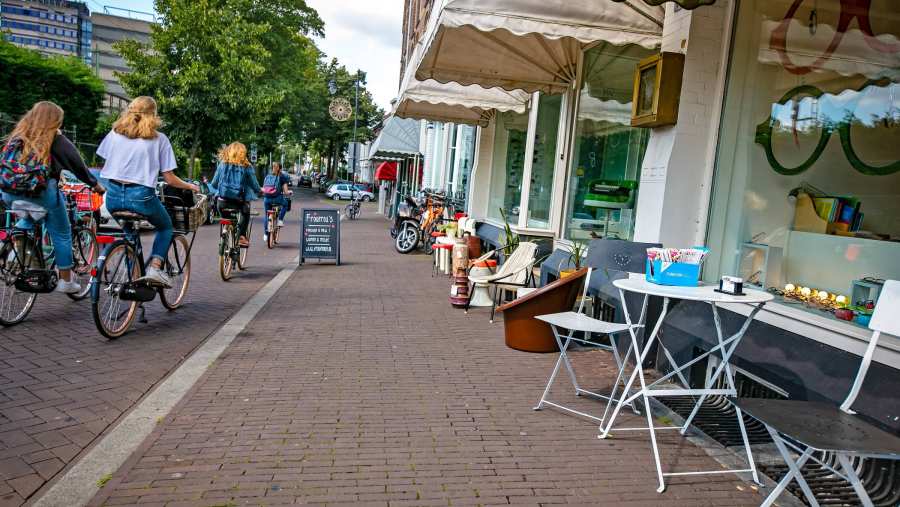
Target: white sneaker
[
  {"x": 155, "y": 276},
  {"x": 70, "y": 287},
  {"x": 281, "y": 223},
  {"x": 265, "y": 238}
]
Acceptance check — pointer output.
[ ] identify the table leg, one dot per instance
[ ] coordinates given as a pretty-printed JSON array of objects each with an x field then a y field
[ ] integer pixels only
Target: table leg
[{"x": 640, "y": 355}]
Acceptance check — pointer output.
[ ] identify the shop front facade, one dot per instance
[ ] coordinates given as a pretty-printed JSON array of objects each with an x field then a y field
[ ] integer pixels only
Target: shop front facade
[{"x": 784, "y": 161}]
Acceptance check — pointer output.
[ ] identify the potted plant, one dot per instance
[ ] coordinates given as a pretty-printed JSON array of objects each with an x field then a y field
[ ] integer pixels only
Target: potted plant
[
  {"x": 576, "y": 255},
  {"x": 510, "y": 239}
]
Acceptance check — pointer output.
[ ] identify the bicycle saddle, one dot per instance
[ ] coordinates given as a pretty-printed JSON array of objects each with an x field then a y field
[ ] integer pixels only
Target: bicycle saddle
[
  {"x": 25, "y": 209},
  {"x": 128, "y": 215}
]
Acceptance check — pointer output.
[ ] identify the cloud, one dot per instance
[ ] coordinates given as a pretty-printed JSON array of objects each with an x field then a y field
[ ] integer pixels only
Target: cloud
[{"x": 365, "y": 35}]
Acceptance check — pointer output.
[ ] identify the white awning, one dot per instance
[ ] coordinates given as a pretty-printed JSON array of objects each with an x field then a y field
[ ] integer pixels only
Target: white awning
[
  {"x": 398, "y": 139},
  {"x": 530, "y": 45},
  {"x": 453, "y": 102}
]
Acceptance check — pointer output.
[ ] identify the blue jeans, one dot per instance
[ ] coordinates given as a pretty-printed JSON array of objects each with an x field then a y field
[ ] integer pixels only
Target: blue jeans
[
  {"x": 143, "y": 200},
  {"x": 269, "y": 204},
  {"x": 56, "y": 223}
]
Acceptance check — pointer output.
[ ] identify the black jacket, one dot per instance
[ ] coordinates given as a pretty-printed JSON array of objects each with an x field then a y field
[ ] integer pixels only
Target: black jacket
[{"x": 64, "y": 156}]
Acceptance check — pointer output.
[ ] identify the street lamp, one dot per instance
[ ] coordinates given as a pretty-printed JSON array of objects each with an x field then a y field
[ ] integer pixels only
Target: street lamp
[{"x": 355, "y": 121}]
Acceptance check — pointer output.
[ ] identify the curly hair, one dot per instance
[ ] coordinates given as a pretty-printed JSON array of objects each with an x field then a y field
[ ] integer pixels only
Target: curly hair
[{"x": 235, "y": 153}]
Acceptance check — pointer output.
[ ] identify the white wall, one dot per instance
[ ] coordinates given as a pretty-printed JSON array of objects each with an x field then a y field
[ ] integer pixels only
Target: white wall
[{"x": 677, "y": 172}]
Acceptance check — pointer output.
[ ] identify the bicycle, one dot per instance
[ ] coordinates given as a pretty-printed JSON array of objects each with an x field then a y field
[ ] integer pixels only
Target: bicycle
[
  {"x": 116, "y": 293},
  {"x": 28, "y": 260},
  {"x": 351, "y": 211},
  {"x": 272, "y": 227},
  {"x": 231, "y": 253}
]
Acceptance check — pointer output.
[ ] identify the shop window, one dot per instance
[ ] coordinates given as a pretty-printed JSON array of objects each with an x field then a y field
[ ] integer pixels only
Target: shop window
[
  {"x": 608, "y": 152},
  {"x": 466, "y": 161},
  {"x": 451, "y": 160},
  {"x": 544, "y": 161},
  {"x": 508, "y": 167},
  {"x": 807, "y": 187}
]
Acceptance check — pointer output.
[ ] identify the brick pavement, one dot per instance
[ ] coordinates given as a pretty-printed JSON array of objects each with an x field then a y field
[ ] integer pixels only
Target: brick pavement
[
  {"x": 360, "y": 385},
  {"x": 62, "y": 384}
]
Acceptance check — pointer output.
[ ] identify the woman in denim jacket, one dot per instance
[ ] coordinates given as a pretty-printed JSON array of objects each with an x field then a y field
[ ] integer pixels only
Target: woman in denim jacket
[{"x": 235, "y": 183}]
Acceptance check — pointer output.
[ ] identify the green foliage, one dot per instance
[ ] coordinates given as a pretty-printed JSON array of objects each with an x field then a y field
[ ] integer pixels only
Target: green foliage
[
  {"x": 576, "y": 253},
  {"x": 510, "y": 239},
  {"x": 28, "y": 78}
]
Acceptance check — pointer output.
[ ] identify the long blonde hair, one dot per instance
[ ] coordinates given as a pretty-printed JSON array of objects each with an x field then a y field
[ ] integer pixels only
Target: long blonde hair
[
  {"x": 235, "y": 153},
  {"x": 140, "y": 121},
  {"x": 37, "y": 129}
]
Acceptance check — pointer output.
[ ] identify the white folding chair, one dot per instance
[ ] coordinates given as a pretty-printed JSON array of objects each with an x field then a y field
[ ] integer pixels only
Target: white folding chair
[{"x": 578, "y": 322}]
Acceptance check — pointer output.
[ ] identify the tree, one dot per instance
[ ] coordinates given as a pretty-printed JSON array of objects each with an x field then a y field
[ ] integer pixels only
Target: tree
[
  {"x": 212, "y": 65},
  {"x": 28, "y": 77}
]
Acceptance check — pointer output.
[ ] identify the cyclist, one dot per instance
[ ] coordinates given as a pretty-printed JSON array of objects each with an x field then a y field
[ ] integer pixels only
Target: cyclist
[
  {"x": 37, "y": 137},
  {"x": 136, "y": 155},
  {"x": 275, "y": 192},
  {"x": 235, "y": 183}
]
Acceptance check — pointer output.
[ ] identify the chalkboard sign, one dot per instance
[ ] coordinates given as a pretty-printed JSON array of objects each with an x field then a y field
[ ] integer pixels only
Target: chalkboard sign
[{"x": 320, "y": 234}]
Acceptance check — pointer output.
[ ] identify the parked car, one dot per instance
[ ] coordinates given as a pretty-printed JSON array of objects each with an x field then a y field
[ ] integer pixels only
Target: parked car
[
  {"x": 338, "y": 191},
  {"x": 304, "y": 181},
  {"x": 365, "y": 187}
]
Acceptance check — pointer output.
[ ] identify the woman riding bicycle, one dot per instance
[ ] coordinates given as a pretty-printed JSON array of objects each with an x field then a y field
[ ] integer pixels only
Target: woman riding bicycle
[
  {"x": 37, "y": 138},
  {"x": 235, "y": 184},
  {"x": 136, "y": 155},
  {"x": 275, "y": 192}
]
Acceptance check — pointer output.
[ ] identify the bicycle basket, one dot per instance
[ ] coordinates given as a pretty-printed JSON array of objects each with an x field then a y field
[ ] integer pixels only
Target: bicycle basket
[
  {"x": 185, "y": 218},
  {"x": 85, "y": 198}
]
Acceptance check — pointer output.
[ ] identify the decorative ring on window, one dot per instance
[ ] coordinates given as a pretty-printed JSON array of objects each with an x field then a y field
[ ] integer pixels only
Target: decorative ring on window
[{"x": 764, "y": 137}]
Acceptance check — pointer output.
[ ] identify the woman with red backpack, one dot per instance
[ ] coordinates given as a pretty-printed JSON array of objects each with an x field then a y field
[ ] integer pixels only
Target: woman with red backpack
[
  {"x": 31, "y": 162},
  {"x": 275, "y": 192}
]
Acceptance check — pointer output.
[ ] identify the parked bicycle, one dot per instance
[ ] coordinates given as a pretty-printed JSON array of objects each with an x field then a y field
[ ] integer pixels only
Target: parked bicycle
[
  {"x": 351, "y": 211},
  {"x": 231, "y": 253},
  {"x": 116, "y": 293},
  {"x": 272, "y": 227},
  {"x": 28, "y": 259}
]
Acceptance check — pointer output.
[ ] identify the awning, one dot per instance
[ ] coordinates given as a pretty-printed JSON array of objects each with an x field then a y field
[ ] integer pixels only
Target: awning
[
  {"x": 453, "y": 102},
  {"x": 530, "y": 45},
  {"x": 398, "y": 139},
  {"x": 386, "y": 171},
  {"x": 687, "y": 4}
]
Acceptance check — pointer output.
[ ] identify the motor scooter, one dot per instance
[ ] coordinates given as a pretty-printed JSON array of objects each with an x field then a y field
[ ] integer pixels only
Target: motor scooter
[{"x": 405, "y": 229}]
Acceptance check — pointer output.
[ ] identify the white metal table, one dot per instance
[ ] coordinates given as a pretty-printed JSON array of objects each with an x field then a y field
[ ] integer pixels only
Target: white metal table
[{"x": 725, "y": 348}]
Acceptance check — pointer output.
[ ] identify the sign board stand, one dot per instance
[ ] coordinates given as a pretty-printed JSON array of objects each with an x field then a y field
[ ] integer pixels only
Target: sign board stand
[{"x": 320, "y": 234}]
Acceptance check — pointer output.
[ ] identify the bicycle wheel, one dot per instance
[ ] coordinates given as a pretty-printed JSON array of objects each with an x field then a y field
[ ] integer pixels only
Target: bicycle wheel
[
  {"x": 226, "y": 247},
  {"x": 178, "y": 267},
  {"x": 84, "y": 253},
  {"x": 112, "y": 315},
  {"x": 14, "y": 304},
  {"x": 271, "y": 230},
  {"x": 245, "y": 250}
]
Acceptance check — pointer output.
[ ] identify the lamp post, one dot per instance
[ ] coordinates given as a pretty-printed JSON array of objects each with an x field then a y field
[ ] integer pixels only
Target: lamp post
[{"x": 355, "y": 122}]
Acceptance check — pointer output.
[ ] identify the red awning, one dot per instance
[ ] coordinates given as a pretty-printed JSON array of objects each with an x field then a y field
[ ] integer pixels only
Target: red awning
[{"x": 386, "y": 171}]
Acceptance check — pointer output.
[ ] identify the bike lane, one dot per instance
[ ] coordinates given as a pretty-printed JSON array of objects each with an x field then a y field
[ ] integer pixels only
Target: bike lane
[{"x": 62, "y": 384}]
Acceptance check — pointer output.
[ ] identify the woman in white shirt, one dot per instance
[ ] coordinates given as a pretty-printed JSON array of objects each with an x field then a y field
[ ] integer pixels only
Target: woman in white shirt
[{"x": 136, "y": 155}]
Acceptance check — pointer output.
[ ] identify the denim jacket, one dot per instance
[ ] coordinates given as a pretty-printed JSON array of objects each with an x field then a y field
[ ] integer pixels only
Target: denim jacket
[{"x": 247, "y": 175}]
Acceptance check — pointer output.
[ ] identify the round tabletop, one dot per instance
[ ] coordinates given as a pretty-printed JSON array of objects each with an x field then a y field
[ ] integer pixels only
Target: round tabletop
[{"x": 702, "y": 292}]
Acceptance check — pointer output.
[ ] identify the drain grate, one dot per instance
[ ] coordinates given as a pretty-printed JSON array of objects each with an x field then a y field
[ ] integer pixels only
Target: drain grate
[{"x": 881, "y": 478}]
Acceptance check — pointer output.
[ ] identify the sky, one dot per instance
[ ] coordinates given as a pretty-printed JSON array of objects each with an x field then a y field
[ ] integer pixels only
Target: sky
[{"x": 362, "y": 34}]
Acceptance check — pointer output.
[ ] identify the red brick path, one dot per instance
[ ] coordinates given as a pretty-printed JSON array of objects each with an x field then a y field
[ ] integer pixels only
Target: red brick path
[{"x": 360, "y": 385}]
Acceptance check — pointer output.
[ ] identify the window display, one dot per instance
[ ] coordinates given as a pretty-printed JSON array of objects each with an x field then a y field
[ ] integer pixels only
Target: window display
[
  {"x": 807, "y": 187},
  {"x": 608, "y": 151},
  {"x": 508, "y": 166}
]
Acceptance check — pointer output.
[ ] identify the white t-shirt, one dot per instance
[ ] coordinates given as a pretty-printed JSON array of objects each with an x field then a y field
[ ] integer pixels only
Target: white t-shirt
[{"x": 136, "y": 160}]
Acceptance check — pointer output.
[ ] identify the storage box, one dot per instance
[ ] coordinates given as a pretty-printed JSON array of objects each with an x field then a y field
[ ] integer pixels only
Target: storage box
[{"x": 673, "y": 273}]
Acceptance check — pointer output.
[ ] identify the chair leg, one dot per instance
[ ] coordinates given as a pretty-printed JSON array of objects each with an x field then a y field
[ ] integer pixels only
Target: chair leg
[
  {"x": 471, "y": 295},
  {"x": 854, "y": 480},
  {"x": 497, "y": 292}
]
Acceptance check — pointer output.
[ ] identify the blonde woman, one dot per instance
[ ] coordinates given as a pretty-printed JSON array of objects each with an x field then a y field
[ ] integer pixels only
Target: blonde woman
[
  {"x": 136, "y": 154},
  {"x": 37, "y": 135},
  {"x": 235, "y": 185}
]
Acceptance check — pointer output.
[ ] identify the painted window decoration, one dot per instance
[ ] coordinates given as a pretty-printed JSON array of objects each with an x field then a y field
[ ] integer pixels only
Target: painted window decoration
[
  {"x": 807, "y": 190},
  {"x": 608, "y": 152}
]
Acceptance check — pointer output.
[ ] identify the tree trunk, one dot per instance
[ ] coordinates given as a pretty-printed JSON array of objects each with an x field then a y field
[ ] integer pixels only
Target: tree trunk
[{"x": 192, "y": 158}]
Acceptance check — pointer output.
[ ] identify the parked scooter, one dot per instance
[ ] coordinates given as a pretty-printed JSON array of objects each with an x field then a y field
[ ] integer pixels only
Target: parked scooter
[{"x": 405, "y": 229}]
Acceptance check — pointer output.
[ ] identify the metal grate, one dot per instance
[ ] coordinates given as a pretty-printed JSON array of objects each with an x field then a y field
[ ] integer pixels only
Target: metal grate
[{"x": 881, "y": 478}]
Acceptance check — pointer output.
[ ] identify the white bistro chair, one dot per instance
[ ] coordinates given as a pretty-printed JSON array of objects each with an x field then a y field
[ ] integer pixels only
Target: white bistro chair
[{"x": 578, "y": 322}]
